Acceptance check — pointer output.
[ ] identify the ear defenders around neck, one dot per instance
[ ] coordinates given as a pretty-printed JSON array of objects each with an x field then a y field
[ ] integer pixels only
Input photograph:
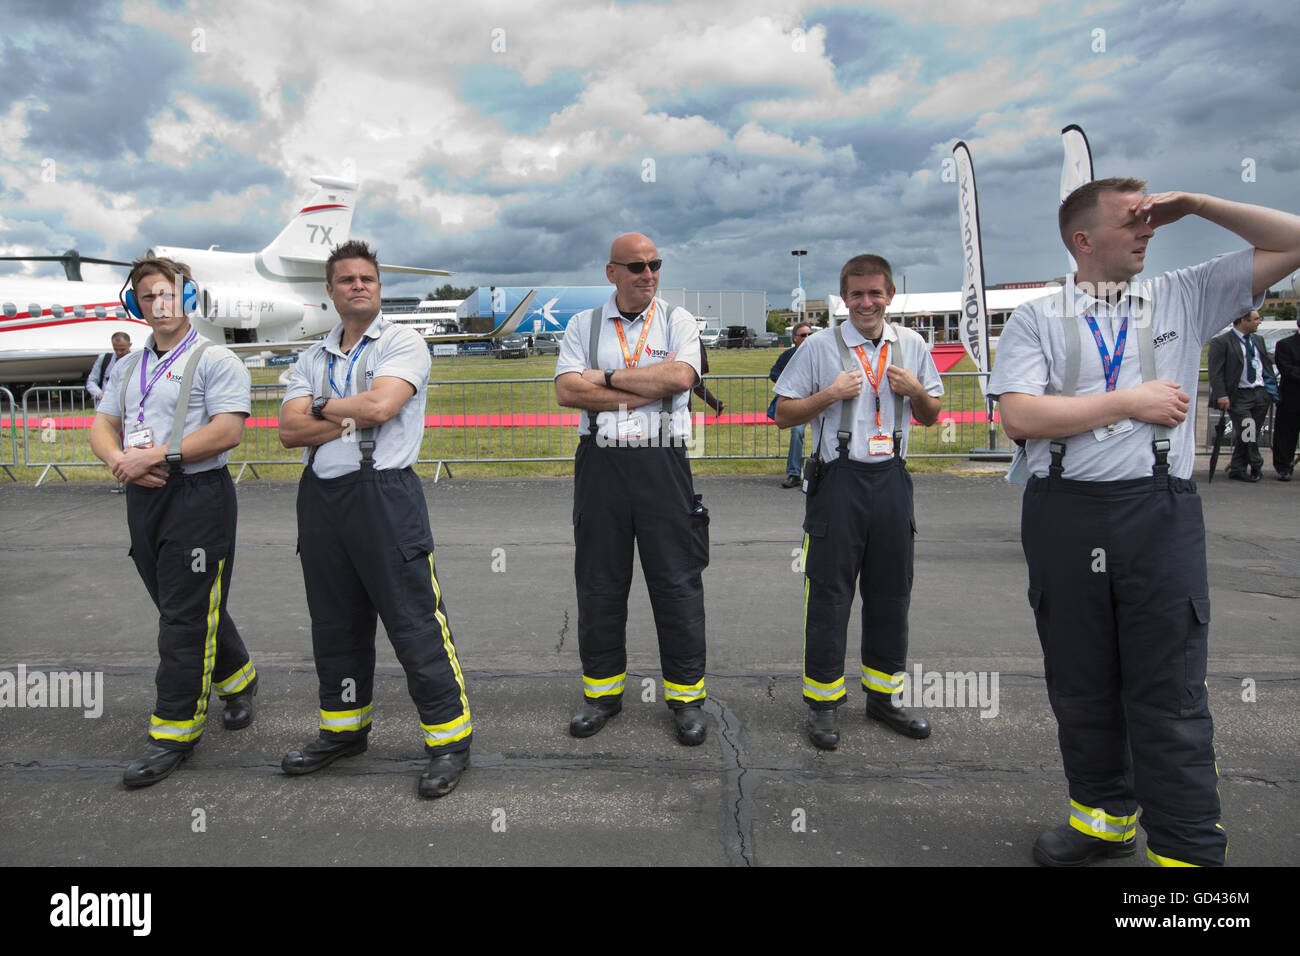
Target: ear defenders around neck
[{"x": 189, "y": 297}]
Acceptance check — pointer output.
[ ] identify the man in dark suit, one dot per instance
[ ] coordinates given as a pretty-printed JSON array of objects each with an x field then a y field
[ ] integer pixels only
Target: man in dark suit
[
  {"x": 1238, "y": 366},
  {"x": 1286, "y": 426}
]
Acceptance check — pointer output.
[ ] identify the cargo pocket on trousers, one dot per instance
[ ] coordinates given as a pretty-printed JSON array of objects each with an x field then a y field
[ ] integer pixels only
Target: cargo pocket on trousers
[
  {"x": 699, "y": 519},
  {"x": 415, "y": 549},
  {"x": 815, "y": 553},
  {"x": 1192, "y": 699},
  {"x": 1040, "y": 624}
]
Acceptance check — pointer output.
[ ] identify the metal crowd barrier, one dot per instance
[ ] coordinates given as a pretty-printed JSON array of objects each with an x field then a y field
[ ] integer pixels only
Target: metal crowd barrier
[
  {"x": 56, "y": 429},
  {"x": 512, "y": 420},
  {"x": 9, "y": 424}
]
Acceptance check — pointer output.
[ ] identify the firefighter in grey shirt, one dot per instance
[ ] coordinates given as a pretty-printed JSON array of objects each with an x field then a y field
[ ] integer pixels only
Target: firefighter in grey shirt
[{"x": 1099, "y": 379}]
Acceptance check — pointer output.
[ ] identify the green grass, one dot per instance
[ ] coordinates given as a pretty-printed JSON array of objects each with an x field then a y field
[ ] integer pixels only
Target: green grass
[{"x": 460, "y": 389}]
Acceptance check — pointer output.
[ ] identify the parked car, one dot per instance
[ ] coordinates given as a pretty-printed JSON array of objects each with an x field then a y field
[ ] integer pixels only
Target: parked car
[
  {"x": 710, "y": 337},
  {"x": 546, "y": 343},
  {"x": 738, "y": 337},
  {"x": 511, "y": 346},
  {"x": 767, "y": 340}
]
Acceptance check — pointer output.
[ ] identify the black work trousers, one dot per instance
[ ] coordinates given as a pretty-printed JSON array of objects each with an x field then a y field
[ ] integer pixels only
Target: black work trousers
[
  {"x": 183, "y": 545},
  {"x": 1286, "y": 427},
  {"x": 626, "y": 495},
  {"x": 858, "y": 533},
  {"x": 1118, "y": 584},
  {"x": 367, "y": 552}
]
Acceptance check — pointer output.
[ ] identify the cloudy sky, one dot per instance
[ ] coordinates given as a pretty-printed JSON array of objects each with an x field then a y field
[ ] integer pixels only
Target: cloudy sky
[{"x": 509, "y": 141}]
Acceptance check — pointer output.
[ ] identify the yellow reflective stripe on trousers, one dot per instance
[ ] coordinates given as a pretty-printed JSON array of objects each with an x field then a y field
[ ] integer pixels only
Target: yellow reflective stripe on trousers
[
  {"x": 181, "y": 731},
  {"x": 238, "y": 680},
  {"x": 339, "y": 721},
  {"x": 450, "y": 648},
  {"x": 880, "y": 681},
  {"x": 184, "y": 731},
  {"x": 812, "y": 688},
  {"x": 437, "y": 734},
  {"x": 1159, "y": 860},
  {"x": 803, "y": 563},
  {"x": 684, "y": 692},
  {"x": 603, "y": 686},
  {"x": 1098, "y": 823},
  {"x": 819, "y": 691}
]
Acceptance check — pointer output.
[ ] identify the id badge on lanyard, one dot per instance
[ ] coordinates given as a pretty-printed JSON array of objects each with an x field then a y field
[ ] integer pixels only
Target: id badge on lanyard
[
  {"x": 880, "y": 443},
  {"x": 630, "y": 429}
]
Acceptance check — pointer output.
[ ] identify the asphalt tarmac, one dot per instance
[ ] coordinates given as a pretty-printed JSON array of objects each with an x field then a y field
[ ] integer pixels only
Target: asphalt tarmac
[{"x": 976, "y": 793}]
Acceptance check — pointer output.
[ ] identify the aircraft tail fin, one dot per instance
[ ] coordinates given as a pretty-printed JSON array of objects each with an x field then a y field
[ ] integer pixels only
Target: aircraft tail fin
[{"x": 324, "y": 222}]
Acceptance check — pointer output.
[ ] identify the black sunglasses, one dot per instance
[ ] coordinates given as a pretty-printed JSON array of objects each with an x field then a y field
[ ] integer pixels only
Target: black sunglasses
[{"x": 636, "y": 268}]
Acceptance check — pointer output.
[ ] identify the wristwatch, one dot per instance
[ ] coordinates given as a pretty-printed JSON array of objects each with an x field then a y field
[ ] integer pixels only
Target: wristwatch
[
  {"x": 318, "y": 407},
  {"x": 609, "y": 378}
]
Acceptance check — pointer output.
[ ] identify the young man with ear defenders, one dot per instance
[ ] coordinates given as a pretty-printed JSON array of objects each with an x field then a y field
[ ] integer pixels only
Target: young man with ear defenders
[{"x": 167, "y": 420}]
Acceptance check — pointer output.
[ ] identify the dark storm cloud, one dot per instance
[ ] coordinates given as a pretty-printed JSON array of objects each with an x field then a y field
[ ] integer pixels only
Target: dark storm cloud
[
  {"x": 213, "y": 168},
  {"x": 92, "y": 84}
]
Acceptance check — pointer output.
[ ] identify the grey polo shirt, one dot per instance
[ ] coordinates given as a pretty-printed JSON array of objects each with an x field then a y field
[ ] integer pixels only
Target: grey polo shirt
[
  {"x": 816, "y": 363},
  {"x": 394, "y": 350},
  {"x": 221, "y": 384},
  {"x": 1185, "y": 308},
  {"x": 678, "y": 334}
]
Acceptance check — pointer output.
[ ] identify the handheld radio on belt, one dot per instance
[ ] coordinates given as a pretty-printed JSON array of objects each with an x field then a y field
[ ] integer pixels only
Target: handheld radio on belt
[
  {"x": 665, "y": 404},
  {"x": 1070, "y": 381},
  {"x": 182, "y": 399},
  {"x": 365, "y": 436},
  {"x": 814, "y": 464}
]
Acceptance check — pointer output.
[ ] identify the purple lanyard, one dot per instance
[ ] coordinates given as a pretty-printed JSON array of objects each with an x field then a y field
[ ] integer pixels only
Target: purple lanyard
[
  {"x": 1110, "y": 368},
  {"x": 356, "y": 354},
  {"x": 161, "y": 370}
]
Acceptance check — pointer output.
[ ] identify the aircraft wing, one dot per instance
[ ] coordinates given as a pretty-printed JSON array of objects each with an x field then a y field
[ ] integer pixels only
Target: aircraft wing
[
  {"x": 414, "y": 270},
  {"x": 508, "y": 325},
  {"x": 256, "y": 348},
  {"x": 516, "y": 316}
]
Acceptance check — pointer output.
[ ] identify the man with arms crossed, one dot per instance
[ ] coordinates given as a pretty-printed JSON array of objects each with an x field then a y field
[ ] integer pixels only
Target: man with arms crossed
[
  {"x": 1099, "y": 379},
  {"x": 356, "y": 401},
  {"x": 632, "y": 485}
]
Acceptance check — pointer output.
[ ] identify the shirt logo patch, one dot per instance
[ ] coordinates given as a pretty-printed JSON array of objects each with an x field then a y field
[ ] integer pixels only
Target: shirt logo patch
[
  {"x": 1164, "y": 338},
  {"x": 657, "y": 353}
]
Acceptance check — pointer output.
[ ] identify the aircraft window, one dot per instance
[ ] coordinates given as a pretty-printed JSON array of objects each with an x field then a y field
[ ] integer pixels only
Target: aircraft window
[
  {"x": 10, "y": 310},
  {"x": 79, "y": 311},
  {"x": 101, "y": 312},
  {"x": 56, "y": 310},
  {"x": 34, "y": 310}
]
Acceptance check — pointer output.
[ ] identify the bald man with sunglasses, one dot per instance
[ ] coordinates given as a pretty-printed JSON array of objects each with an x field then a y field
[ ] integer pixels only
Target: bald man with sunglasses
[{"x": 630, "y": 365}]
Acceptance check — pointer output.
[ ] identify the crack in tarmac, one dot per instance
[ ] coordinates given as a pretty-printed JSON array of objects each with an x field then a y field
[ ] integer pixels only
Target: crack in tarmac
[
  {"x": 564, "y": 629},
  {"x": 742, "y": 813}
]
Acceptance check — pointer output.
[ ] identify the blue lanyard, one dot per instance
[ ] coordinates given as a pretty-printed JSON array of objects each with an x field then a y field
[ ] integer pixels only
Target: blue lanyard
[
  {"x": 356, "y": 354},
  {"x": 1111, "y": 368}
]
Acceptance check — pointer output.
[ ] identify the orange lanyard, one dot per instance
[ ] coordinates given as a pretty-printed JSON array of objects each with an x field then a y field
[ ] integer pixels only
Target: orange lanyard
[
  {"x": 631, "y": 358},
  {"x": 875, "y": 378}
]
